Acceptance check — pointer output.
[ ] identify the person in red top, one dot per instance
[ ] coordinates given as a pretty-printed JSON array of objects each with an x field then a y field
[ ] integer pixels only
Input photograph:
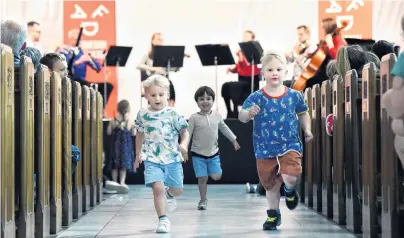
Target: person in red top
[
  {"x": 238, "y": 91},
  {"x": 333, "y": 38},
  {"x": 333, "y": 41}
]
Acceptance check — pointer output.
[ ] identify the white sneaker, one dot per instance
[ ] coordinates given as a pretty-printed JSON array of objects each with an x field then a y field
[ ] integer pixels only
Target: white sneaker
[
  {"x": 203, "y": 204},
  {"x": 164, "y": 225},
  {"x": 114, "y": 186},
  {"x": 171, "y": 202}
]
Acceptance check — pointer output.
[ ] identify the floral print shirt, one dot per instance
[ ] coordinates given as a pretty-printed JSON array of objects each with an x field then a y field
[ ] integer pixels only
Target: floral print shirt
[{"x": 161, "y": 133}]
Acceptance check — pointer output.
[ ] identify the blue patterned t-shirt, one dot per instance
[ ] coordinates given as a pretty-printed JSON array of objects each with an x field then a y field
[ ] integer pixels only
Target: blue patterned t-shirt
[{"x": 276, "y": 126}]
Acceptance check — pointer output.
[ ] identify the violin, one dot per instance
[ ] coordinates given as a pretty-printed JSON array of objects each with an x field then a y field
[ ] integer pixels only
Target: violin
[
  {"x": 302, "y": 47},
  {"x": 316, "y": 60}
]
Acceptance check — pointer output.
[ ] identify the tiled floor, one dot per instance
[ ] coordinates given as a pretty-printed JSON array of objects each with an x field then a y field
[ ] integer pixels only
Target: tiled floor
[{"x": 231, "y": 213}]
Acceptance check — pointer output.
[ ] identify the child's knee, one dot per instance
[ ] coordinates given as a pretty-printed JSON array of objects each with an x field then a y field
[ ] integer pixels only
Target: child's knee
[
  {"x": 176, "y": 191},
  {"x": 158, "y": 189},
  {"x": 216, "y": 176}
]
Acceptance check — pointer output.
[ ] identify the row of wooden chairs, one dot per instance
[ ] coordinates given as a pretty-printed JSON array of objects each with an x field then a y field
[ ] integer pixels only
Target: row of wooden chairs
[
  {"x": 354, "y": 176},
  {"x": 42, "y": 116}
]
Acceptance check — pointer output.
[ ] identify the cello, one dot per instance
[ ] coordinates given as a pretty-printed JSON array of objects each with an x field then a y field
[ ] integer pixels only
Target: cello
[{"x": 316, "y": 60}]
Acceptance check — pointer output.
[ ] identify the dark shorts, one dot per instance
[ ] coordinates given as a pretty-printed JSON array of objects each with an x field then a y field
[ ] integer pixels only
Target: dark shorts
[{"x": 290, "y": 164}]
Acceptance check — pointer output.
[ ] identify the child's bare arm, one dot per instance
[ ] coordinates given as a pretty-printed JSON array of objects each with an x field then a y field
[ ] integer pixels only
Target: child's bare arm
[
  {"x": 139, "y": 142},
  {"x": 305, "y": 121},
  {"x": 184, "y": 137}
]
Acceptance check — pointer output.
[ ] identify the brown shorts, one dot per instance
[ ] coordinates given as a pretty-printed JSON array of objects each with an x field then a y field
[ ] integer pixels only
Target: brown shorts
[{"x": 290, "y": 164}]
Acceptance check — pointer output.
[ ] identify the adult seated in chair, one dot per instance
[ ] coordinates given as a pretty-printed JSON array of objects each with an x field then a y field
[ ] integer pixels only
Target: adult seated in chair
[
  {"x": 238, "y": 91},
  {"x": 34, "y": 54},
  {"x": 14, "y": 34}
]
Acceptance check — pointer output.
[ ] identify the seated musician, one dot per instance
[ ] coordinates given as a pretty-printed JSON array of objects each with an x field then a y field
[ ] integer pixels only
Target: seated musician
[
  {"x": 81, "y": 59},
  {"x": 333, "y": 40},
  {"x": 147, "y": 69},
  {"x": 237, "y": 92},
  {"x": 14, "y": 35}
]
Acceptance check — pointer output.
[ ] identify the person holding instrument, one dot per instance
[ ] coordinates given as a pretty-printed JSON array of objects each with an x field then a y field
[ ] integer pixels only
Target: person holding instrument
[
  {"x": 147, "y": 69},
  {"x": 300, "y": 51},
  {"x": 315, "y": 71},
  {"x": 238, "y": 91},
  {"x": 81, "y": 60}
]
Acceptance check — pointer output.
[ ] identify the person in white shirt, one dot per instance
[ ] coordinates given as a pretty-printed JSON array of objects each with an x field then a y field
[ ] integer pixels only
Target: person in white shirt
[{"x": 34, "y": 35}]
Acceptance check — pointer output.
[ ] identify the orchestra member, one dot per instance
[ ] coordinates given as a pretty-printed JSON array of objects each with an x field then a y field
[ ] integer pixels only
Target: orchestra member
[
  {"x": 238, "y": 91},
  {"x": 146, "y": 65}
]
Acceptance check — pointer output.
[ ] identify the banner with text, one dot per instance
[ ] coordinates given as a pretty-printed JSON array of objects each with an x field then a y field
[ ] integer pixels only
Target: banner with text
[
  {"x": 98, "y": 20},
  {"x": 358, "y": 14}
]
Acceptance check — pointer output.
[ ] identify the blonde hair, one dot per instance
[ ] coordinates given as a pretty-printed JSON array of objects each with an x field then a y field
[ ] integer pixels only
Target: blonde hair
[
  {"x": 158, "y": 80},
  {"x": 271, "y": 55}
]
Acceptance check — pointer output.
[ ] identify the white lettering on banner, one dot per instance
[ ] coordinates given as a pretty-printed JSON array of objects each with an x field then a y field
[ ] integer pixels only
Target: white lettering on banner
[
  {"x": 348, "y": 18},
  {"x": 79, "y": 13},
  {"x": 334, "y": 7},
  {"x": 354, "y": 4},
  {"x": 93, "y": 24},
  {"x": 101, "y": 9},
  {"x": 90, "y": 28}
]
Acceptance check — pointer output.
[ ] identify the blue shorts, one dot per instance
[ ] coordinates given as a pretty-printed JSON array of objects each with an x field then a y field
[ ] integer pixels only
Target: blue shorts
[
  {"x": 206, "y": 167},
  {"x": 171, "y": 175}
]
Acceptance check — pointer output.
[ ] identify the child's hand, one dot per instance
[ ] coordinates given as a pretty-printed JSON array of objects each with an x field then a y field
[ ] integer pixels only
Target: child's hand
[
  {"x": 236, "y": 145},
  {"x": 184, "y": 152},
  {"x": 308, "y": 136},
  {"x": 138, "y": 161},
  {"x": 254, "y": 110}
]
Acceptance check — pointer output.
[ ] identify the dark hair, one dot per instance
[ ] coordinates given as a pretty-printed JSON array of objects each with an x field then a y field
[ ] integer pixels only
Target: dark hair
[
  {"x": 32, "y": 23},
  {"x": 123, "y": 107},
  {"x": 201, "y": 92},
  {"x": 50, "y": 60},
  {"x": 382, "y": 48}
]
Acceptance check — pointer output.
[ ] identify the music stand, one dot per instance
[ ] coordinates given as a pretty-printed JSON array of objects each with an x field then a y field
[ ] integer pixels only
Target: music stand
[
  {"x": 168, "y": 57},
  {"x": 252, "y": 50},
  {"x": 214, "y": 55},
  {"x": 117, "y": 56}
]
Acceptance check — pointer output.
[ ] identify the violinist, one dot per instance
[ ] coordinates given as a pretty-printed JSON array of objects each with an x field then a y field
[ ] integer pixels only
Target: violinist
[
  {"x": 81, "y": 59},
  {"x": 296, "y": 57},
  {"x": 333, "y": 37}
]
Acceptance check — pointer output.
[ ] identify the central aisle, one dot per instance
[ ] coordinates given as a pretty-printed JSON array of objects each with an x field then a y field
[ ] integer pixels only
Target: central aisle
[{"x": 231, "y": 213}]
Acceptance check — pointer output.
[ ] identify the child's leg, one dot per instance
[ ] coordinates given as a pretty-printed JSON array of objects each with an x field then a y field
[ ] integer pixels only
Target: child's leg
[
  {"x": 290, "y": 169},
  {"x": 274, "y": 196},
  {"x": 267, "y": 173},
  {"x": 114, "y": 175},
  {"x": 174, "y": 180},
  {"x": 201, "y": 172},
  {"x": 122, "y": 176},
  {"x": 159, "y": 198}
]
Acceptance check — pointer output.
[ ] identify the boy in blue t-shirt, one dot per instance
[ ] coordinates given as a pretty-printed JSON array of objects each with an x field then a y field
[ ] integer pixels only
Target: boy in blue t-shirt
[{"x": 277, "y": 111}]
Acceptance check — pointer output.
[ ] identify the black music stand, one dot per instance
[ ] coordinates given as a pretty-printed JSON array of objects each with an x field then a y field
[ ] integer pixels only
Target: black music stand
[
  {"x": 252, "y": 50},
  {"x": 117, "y": 56},
  {"x": 169, "y": 57},
  {"x": 214, "y": 55}
]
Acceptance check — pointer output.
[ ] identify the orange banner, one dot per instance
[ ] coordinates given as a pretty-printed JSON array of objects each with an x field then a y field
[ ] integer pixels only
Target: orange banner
[
  {"x": 99, "y": 32},
  {"x": 357, "y": 12}
]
